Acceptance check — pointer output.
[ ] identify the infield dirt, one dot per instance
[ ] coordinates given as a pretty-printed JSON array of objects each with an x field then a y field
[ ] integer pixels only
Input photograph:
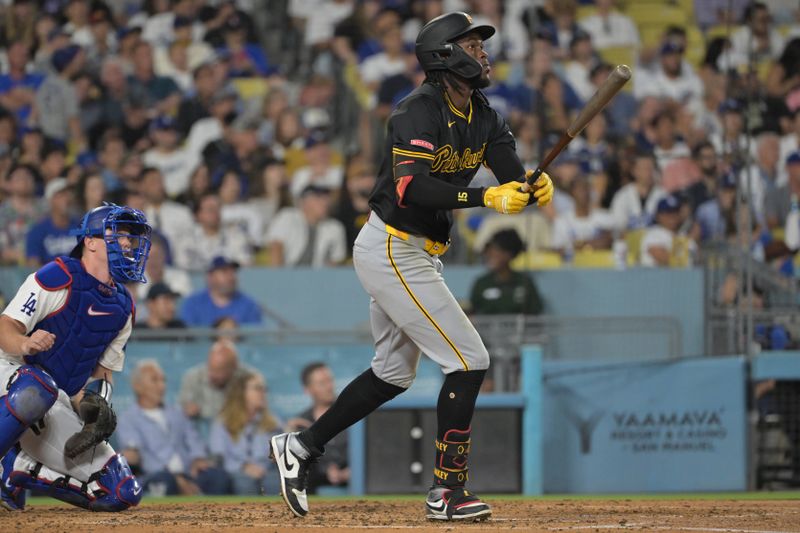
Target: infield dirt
[{"x": 385, "y": 516}]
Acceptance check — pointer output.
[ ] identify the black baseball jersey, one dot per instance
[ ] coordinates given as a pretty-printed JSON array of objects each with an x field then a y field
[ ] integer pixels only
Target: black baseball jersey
[{"x": 429, "y": 138}]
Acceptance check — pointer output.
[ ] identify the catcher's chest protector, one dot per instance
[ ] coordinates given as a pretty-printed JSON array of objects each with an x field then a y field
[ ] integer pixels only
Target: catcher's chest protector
[{"x": 91, "y": 318}]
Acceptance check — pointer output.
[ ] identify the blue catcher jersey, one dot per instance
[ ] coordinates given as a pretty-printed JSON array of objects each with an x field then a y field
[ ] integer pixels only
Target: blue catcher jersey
[{"x": 92, "y": 316}]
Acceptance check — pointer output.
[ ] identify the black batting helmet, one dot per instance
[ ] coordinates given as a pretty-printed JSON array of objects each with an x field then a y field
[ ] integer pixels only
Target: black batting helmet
[{"x": 436, "y": 48}]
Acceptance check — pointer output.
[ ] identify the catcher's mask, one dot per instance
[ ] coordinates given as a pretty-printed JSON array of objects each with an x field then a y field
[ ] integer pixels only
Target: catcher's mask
[
  {"x": 113, "y": 223},
  {"x": 436, "y": 46}
]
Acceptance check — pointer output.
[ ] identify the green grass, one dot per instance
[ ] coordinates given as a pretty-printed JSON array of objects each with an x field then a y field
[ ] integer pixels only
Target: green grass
[{"x": 722, "y": 496}]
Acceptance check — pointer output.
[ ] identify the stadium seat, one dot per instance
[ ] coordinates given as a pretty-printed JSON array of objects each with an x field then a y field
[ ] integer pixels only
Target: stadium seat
[
  {"x": 585, "y": 12},
  {"x": 634, "y": 241},
  {"x": 617, "y": 55},
  {"x": 593, "y": 259},
  {"x": 249, "y": 88},
  {"x": 537, "y": 260},
  {"x": 720, "y": 30},
  {"x": 695, "y": 46},
  {"x": 649, "y": 14}
]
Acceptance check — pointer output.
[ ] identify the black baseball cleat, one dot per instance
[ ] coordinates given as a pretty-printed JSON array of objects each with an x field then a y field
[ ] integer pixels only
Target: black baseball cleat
[
  {"x": 293, "y": 460},
  {"x": 445, "y": 503}
]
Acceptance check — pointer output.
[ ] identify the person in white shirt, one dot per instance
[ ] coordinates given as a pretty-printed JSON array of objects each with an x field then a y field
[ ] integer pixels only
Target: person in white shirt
[
  {"x": 764, "y": 174},
  {"x": 209, "y": 238},
  {"x": 658, "y": 246},
  {"x": 168, "y": 218},
  {"x": 210, "y": 129},
  {"x": 305, "y": 235},
  {"x": 586, "y": 226},
  {"x": 578, "y": 68},
  {"x": 175, "y": 163},
  {"x": 320, "y": 170},
  {"x": 732, "y": 141},
  {"x": 672, "y": 78},
  {"x": 610, "y": 28},
  {"x": 393, "y": 60},
  {"x": 757, "y": 36},
  {"x": 668, "y": 147},
  {"x": 158, "y": 271},
  {"x": 236, "y": 212},
  {"x": 322, "y": 19},
  {"x": 634, "y": 204}
]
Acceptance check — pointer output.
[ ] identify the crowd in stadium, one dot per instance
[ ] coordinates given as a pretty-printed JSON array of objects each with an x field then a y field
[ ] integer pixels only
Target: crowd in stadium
[{"x": 253, "y": 132}]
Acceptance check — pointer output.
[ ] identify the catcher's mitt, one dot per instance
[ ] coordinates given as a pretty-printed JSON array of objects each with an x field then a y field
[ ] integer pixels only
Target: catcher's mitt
[{"x": 99, "y": 422}]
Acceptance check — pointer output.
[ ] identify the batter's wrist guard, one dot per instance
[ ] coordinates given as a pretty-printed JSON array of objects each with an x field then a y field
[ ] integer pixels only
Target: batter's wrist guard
[{"x": 451, "y": 458}]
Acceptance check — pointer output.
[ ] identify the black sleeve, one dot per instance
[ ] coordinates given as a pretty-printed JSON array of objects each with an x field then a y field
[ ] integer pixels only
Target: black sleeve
[
  {"x": 427, "y": 192},
  {"x": 501, "y": 152}
]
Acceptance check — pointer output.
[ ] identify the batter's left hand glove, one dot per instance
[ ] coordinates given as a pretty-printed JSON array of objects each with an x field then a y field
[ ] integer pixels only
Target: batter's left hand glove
[
  {"x": 99, "y": 422},
  {"x": 542, "y": 189}
]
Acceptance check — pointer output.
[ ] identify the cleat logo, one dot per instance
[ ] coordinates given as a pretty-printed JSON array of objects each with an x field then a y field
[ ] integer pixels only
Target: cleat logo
[
  {"x": 288, "y": 459},
  {"x": 439, "y": 508}
]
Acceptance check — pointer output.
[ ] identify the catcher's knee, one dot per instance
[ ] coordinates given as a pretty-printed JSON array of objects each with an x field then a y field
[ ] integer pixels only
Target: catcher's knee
[
  {"x": 31, "y": 393},
  {"x": 122, "y": 489}
]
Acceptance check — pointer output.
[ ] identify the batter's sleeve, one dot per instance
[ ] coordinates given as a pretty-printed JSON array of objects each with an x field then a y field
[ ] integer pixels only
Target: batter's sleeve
[
  {"x": 501, "y": 152},
  {"x": 114, "y": 356},
  {"x": 33, "y": 303},
  {"x": 413, "y": 129}
]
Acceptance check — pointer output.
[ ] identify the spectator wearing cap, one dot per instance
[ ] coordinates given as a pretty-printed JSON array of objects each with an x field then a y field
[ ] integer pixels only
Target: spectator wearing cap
[
  {"x": 661, "y": 245},
  {"x": 208, "y": 238},
  {"x": 582, "y": 59},
  {"x": 158, "y": 25},
  {"x": 715, "y": 215},
  {"x": 161, "y": 308},
  {"x": 128, "y": 38},
  {"x": 732, "y": 139},
  {"x": 222, "y": 112},
  {"x": 157, "y": 270},
  {"x": 221, "y": 298},
  {"x": 634, "y": 205},
  {"x": 610, "y": 28},
  {"x": 245, "y": 59},
  {"x": 18, "y": 86},
  {"x": 57, "y": 101},
  {"x": 50, "y": 237},
  {"x": 161, "y": 93},
  {"x": 174, "y": 162},
  {"x": 620, "y": 108},
  {"x": 779, "y": 202},
  {"x": 18, "y": 212},
  {"x": 321, "y": 168},
  {"x": 173, "y": 220},
  {"x": 585, "y": 226},
  {"x": 306, "y": 235},
  {"x": 196, "y": 106},
  {"x": 672, "y": 78},
  {"x": 503, "y": 290}
]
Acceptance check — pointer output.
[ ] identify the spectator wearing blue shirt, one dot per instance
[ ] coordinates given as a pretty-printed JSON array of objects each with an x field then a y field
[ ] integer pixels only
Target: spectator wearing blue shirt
[
  {"x": 161, "y": 444},
  {"x": 714, "y": 216},
  {"x": 50, "y": 237},
  {"x": 245, "y": 59},
  {"x": 241, "y": 434},
  {"x": 220, "y": 299},
  {"x": 18, "y": 87}
]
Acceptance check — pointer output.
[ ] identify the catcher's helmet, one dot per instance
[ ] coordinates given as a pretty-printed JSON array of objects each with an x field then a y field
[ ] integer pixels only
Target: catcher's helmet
[
  {"x": 112, "y": 222},
  {"x": 436, "y": 48}
]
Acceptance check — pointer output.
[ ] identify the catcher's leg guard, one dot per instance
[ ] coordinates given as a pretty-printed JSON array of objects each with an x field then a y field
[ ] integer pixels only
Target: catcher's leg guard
[
  {"x": 31, "y": 392},
  {"x": 113, "y": 488},
  {"x": 11, "y": 496},
  {"x": 448, "y": 499}
]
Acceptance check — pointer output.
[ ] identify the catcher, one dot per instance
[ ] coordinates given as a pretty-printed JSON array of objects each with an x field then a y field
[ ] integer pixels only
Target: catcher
[{"x": 61, "y": 337}]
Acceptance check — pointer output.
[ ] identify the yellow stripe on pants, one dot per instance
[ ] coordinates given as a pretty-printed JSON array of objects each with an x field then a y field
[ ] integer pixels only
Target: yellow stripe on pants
[{"x": 419, "y": 305}]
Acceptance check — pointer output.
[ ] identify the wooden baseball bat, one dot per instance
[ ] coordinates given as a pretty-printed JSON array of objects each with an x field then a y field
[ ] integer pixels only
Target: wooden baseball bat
[{"x": 618, "y": 77}]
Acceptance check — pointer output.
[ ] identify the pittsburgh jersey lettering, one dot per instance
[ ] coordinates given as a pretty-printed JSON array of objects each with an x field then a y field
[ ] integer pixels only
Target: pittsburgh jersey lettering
[{"x": 446, "y": 160}]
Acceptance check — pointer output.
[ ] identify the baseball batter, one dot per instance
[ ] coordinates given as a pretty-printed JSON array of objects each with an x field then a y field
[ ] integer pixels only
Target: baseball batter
[
  {"x": 437, "y": 138},
  {"x": 62, "y": 334}
]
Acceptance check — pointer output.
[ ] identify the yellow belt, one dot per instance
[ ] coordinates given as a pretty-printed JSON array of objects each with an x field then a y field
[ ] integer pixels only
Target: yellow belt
[{"x": 432, "y": 247}]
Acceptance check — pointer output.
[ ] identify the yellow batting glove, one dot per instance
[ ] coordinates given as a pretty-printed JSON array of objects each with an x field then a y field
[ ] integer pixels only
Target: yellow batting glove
[
  {"x": 542, "y": 189},
  {"x": 506, "y": 199}
]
